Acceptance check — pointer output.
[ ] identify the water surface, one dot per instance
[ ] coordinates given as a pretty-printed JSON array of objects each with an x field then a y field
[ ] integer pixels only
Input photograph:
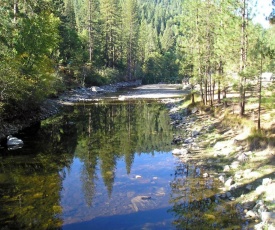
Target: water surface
[
  {"x": 105, "y": 166},
  {"x": 91, "y": 167}
]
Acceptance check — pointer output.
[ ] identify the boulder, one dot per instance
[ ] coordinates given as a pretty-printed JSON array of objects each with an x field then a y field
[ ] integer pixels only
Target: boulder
[
  {"x": 181, "y": 151},
  {"x": 195, "y": 133},
  {"x": 251, "y": 214},
  {"x": 229, "y": 182},
  {"x": 226, "y": 168},
  {"x": 266, "y": 181},
  {"x": 96, "y": 89},
  {"x": 268, "y": 217},
  {"x": 14, "y": 143},
  {"x": 222, "y": 178}
]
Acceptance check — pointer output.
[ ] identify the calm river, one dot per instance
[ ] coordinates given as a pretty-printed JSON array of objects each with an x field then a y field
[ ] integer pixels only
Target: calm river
[{"x": 103, "y": 166}]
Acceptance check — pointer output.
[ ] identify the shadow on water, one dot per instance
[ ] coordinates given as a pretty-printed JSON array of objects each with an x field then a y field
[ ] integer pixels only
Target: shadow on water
[{"x": 152, "y": 219}]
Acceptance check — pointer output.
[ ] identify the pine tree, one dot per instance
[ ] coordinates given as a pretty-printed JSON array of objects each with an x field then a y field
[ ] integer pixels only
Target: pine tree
[
  {"x": 110, "y": 16},
  {"x": 130, "y": 28}
]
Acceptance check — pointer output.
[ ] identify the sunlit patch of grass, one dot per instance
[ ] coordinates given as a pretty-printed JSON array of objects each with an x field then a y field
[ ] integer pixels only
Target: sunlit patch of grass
[
  {"x": 258, "y": 139},
  {"x": 188, "y": 103},
  {"x": 236, "y": 121}
]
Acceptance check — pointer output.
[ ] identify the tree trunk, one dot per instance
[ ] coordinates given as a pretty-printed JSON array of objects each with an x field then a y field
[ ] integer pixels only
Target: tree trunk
[
  {"x": 15, "y": 10},
  {"x": 243, "y": 59},
  {"x": 260, "y": 95},
  {"x": 192, "y": 94},
  {"x": 224, "y": 98},
  {"x": 219, "y": 92},
  {"x": 205, "y": 91},
  {"x": 90, "y": 32}
]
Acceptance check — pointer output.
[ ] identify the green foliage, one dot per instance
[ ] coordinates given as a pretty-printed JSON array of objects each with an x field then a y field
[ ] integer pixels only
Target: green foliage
[
  {"x": 27, "y": 73},
  {"x": 160, "y": 68},
  {"x": 156, "y": 41}
]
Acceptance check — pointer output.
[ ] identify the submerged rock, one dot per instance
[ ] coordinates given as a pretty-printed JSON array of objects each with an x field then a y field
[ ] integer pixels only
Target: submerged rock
[{"x": 140, "y": 202}]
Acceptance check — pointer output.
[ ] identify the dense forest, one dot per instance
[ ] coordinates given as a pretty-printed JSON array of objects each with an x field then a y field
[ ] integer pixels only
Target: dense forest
[{"x": 48, "y": 46}]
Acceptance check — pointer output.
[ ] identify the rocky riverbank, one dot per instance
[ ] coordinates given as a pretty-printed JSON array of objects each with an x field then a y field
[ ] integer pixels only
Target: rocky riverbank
[
  {"x": 93, "y": 93},
  {"x": 245, "y": 176}
]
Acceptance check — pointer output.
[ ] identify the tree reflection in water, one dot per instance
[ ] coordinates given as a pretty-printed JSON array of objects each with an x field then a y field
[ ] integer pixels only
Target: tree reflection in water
[
  {"x": 98, "y": 137},
  {"x": 31, "y": 178},
  {"x": 108, "y": 132}
]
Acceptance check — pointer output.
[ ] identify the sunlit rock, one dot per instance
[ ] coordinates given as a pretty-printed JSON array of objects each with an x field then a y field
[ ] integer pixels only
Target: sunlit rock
[
  {"x": 242, "y": 157},
  {"x": 205, "y": 175},
  {"x": 268, "y": 217},
  {"x": 195, "y": 110},
  {"x": 251, "y": 214},
  {"x": 226, "y": 168},
  {"x": 229, "y": 182},
  {"x": 222, "y": 178},
  {"x": 235, "y": 164},
  {"x": 247, "y": 172},
  {"x": 266, "y": 181},
  {"x": 260, "y": 189},
  {"x": 96, "y": 89},
  {"x": 121, "y": 98},
  {"x": 238, "y": 175},
  {"x": 181, "y": 151}
]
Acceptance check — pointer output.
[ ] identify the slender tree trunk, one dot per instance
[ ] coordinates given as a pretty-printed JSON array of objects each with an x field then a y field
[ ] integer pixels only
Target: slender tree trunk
[
  {"x": 206, "y": 91},
  {"x": 213, "y": 91},
  {"x": 219, "y": 91},
  {"x": 202, "y": 93},
  {"x": 192, "y": 94},
  {"x": 210, "y": 90},
  {"x": 219, "y": 81},
  {"x": 224, "y": 97},
  {"x": 260, "y": 95},
  {"x": 90, "y": 32},
  {"x": 15, "y": 10},
  {"x": 243, "y": 59}
]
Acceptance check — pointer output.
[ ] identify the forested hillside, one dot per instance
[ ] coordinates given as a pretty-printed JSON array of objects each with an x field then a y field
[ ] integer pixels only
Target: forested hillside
[{"x": 48, "y": 46}]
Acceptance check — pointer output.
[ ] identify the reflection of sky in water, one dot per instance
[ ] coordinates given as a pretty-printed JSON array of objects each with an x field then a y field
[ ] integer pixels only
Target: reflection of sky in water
[{"x": 118, "y": 211}]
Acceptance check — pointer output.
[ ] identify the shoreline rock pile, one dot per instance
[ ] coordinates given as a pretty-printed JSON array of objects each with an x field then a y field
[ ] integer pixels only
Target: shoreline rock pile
[{"x": 83, "y": 94}]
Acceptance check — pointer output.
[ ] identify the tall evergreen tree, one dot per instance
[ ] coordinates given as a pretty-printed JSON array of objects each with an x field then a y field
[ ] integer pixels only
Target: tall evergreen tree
[
  {"x": 110, "y": 16},
  {"x": 130, "y": 28}
]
